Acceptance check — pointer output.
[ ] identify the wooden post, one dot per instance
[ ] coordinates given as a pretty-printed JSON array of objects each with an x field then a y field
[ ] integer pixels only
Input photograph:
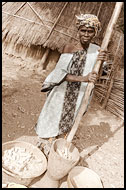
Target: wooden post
[
  {"x": 44, "y": 58},
  {"x": 90, "y": 86}
]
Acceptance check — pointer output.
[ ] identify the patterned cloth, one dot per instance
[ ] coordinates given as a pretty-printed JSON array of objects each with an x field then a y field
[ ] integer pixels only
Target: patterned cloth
[
  {"x": 72, "y": 92},
  {"x": 88, "y": 20}
]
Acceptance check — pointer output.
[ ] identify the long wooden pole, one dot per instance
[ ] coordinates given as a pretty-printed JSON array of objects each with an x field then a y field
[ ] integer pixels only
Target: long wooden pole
[{"x": 90, "y": 86}]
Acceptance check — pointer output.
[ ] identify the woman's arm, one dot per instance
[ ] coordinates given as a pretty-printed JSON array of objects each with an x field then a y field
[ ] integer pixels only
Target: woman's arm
[
  {"x": 91, "y": 77},
  {"x": 74, "y": 78}
]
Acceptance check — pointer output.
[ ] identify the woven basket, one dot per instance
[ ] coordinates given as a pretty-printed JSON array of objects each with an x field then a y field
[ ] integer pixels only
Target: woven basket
[{"x": 9, "y": 177}]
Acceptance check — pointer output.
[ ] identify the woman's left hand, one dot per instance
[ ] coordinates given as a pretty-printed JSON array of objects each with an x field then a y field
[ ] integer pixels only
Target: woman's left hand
[{"x": 102, "y": 56}]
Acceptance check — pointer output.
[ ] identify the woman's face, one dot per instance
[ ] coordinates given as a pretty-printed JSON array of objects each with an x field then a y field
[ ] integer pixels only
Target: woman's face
[{"x": 86, "y": 34}]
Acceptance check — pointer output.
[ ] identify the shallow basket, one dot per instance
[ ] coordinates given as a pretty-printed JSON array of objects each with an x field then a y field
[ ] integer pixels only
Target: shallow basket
[
  {"x": 83, "y": 177},
  {"x": 9, "y": 177}
]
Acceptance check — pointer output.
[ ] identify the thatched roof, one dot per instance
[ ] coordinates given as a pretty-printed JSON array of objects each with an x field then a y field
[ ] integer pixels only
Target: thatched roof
[{"x": 32, "y": 25}]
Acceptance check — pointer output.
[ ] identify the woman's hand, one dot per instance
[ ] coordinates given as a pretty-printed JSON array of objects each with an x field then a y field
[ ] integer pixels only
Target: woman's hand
[
  {"x": 91, "y": 77},
  {"x": 102, "y": 56}
]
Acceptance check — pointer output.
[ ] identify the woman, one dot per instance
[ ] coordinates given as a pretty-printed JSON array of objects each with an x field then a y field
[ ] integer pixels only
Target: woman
[{"x": 68, "y": 81}]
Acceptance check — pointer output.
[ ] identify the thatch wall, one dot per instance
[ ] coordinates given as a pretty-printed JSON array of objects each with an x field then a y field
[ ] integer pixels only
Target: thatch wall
[
  {"x": 115, "y": 102},
  {"x": 20, "y": 31},
  {"x": 109, "y": 90}
]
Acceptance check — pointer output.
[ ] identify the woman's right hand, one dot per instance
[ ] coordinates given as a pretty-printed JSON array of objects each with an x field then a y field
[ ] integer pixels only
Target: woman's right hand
[{"x": 91, "y": 77}]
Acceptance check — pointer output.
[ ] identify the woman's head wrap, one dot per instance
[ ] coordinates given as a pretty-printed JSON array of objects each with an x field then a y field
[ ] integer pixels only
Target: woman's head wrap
[{"x": 88, "y": 20}]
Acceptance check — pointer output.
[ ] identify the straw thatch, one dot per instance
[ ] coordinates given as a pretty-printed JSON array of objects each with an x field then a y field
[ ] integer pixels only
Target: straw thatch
[{"x": 29, "y": 26}]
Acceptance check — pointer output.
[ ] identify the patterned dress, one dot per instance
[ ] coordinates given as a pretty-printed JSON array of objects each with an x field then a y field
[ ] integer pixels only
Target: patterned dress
[{"x": 64, "y": 100}]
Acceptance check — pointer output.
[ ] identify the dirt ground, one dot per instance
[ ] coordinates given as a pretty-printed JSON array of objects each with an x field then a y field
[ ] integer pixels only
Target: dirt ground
[{"x": 99, "y": 139}]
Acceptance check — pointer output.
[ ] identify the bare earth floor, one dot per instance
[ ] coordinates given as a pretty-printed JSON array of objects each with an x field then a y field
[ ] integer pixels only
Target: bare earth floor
[{"x": 99, "y": 139}]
